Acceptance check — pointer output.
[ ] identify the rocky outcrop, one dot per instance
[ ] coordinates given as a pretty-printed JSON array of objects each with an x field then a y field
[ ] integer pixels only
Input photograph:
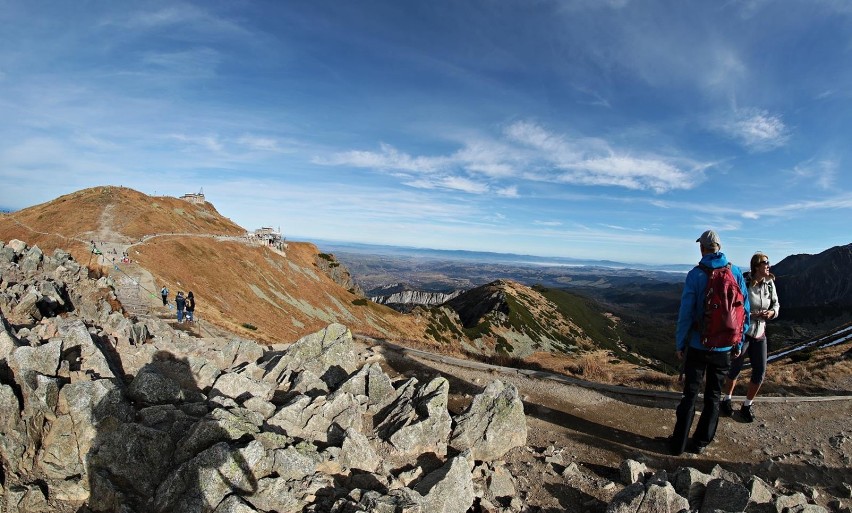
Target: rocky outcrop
[
  {"x": 98, "y": 419},
  {"x": 407, "y": 299}
]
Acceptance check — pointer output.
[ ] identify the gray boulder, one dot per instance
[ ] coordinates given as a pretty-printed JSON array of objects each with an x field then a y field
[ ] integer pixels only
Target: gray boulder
[
  {"x": 493, "y": 425},
  {"x": 239, "y": 387},
  {"x": 418, "y": 421},
  {"x": 725, "y": 496},
  {"x": 691, "y": 483},
  {"x": 151, "y": 387},
  {"x": 356, "y": 452},
  {"x": 627, "y": 500},
  {"x": 83, "y": 353},
  {"x": 319, "y": 419},
  {"x": 450, "y": 488},
  {"x": 42, "y": 359},
  {"x": 329, "y": 353},
  {"x": 662, "y": 498}
]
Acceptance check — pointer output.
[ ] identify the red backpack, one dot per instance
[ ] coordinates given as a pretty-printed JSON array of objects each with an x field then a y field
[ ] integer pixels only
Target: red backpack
[{"x": 724, "y": 308}]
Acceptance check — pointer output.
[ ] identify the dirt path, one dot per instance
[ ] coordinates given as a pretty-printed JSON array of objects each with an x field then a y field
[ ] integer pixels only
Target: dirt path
[{"x": 805, "y": 445}]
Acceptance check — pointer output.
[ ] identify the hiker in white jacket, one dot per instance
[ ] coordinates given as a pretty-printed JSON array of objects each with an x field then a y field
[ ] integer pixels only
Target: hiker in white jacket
[{"x": 763, "y": 299}]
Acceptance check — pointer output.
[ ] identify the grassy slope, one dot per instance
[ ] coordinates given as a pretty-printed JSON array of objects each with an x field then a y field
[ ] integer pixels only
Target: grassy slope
[{"x": 235, "y": 284}]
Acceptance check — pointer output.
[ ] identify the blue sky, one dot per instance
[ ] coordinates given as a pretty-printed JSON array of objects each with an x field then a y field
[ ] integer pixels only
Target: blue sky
[{"x": 592, "y": 129}]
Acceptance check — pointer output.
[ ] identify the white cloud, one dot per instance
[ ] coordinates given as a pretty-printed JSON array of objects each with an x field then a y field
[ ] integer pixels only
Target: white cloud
[
  {"x": 208, "y": 142},
  {"x": 260, "y": 143},
  {"x": 822, "y": 173},
  {"x": 455, "y": 183},
  {"x": 757, "y": 130},
  {"x": 389, "y": 158},
  {"x": 529, "y": 152}
]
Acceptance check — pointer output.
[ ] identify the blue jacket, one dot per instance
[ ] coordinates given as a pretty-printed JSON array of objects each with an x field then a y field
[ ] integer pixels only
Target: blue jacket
[{"x": 692, "y": 303}]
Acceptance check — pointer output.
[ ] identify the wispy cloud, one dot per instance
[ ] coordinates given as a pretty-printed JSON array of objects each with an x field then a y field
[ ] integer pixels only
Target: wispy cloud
[
  {"x": 757, "y": 130},
  {"x": 822, "y": 173},
  {"x": 207, "y": 142},
  {"x": 528, "y": 151},
  {"x": 260, "y": 143}
]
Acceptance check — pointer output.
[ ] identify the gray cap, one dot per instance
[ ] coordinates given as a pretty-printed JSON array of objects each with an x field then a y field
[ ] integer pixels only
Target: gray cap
[{"x": 709, "y": 239}]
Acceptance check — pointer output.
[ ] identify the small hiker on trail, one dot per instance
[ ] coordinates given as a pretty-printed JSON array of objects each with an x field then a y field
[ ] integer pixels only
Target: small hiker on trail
[
  {"x": 707, "y": 360},
  {"x": 190, "y": 307},
  {"x": 164, "y": 292},
  {"x": 180, "y": 304}
]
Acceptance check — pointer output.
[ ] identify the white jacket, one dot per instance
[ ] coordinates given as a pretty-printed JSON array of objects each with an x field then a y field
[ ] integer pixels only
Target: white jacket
[{"x": 762, "y": 296}]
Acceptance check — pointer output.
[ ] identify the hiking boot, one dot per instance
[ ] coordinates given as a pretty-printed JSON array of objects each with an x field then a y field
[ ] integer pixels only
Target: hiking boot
[
  {"x": 725, "y": 408},
  {"x": 746, "y": 413},
  {"x": 695, "y": 447}
]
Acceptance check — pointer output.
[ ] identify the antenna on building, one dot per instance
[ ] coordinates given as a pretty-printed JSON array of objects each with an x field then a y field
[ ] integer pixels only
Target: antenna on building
[{"x": 201, "y": 191}]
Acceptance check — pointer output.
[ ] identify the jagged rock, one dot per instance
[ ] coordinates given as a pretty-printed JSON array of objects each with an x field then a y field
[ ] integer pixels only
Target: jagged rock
[
  {"x": 8, "y": 342},
  {"x": 493, "y": 424},
  {"x": 258, "y": 405},
  {"x": 500, "y": 483},
  {"x": 664, "y": 499},
  {"x": 119, "y": 327},
  {"x": 201, "y": 483},
  {"x": 27, "y": 307},
  {"x": 725, "y": 496},
  {"x": 42, "y": 359},
  {"x": 419, "y": 424},
  {"x": 319, "y": 419},
  {"x": 627, "y": 500},
  {"x": 788, "y": 503},
  {"x": 204, "y": 372},
  {"x": 135, "y": 457},
  {"x": 691, "y": 483},
  {"x": 168, "y": 419},
  {"x": 276, "y": 494},
  {"x": 328, "y": 353},
  {"x": 151, "y": 387},
  {"x": 358, "y": 453},
  {"x": 218, "y": 426},
  {"x": 239, "y": 387},
  {"x": 14, "y": 439},
  {"x": 79, "y": 348},
  {"x": 450, "y": 488},
  {"x": 240, "y": 351},
  {"x": 17, "y": 246},
  {"x": 296, "y": 462},
  {"x": 632, "y": 471},
  {"x": 234, "y": 504},
  {"x": 26, "y": 499},
  {"x": 759, "y": 491},
  {"x": 308, "y": 383},
  {"x": 7, "y": 255},
  {"x": 139, "y": 333},
  {"x": 31, "y": 260}
]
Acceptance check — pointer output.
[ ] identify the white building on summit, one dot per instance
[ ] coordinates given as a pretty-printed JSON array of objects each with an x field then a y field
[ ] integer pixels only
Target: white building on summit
[{"x": 267, "y": 236}]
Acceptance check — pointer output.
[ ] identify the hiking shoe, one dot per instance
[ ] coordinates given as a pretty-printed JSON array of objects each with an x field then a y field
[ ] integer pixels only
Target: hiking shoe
[
  {"x": 746, "y": 413},
  {"x": 725, "y": 408},
  {"x": 695, "y": 447}
]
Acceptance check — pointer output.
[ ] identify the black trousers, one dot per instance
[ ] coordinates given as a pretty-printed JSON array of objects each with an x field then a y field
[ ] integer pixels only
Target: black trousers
[{"x": 715, "y": 365}]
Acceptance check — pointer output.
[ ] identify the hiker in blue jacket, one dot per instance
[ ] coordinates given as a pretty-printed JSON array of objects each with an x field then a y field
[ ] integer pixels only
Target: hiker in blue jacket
[{"x": 700, "y": 359}]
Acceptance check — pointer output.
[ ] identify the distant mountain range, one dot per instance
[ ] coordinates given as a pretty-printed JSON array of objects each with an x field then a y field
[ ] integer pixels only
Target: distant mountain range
[{"x": 490, "y": 257}]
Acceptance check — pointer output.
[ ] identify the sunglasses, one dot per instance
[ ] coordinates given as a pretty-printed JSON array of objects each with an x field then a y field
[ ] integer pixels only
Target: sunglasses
[{"x": 763, "y": 262}]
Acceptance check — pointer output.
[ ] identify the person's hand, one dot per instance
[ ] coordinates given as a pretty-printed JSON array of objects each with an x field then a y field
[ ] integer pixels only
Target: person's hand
[{"x": 679, "y": 355}]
